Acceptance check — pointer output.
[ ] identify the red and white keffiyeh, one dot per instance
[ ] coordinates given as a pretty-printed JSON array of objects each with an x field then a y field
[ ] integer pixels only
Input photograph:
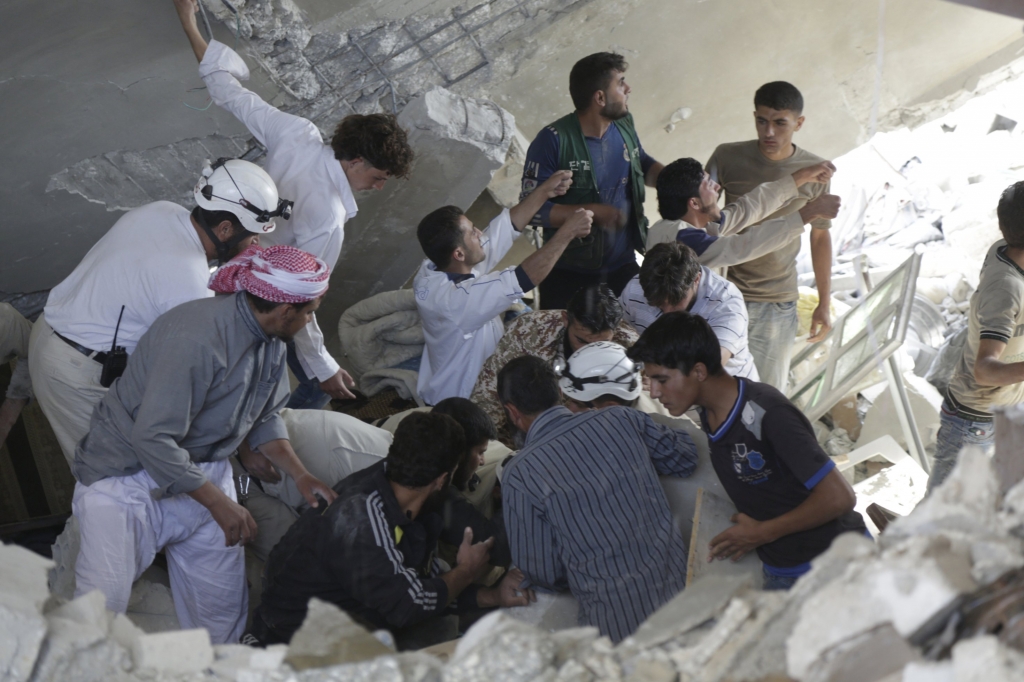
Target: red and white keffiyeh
[{"x": 280, "y": 274}]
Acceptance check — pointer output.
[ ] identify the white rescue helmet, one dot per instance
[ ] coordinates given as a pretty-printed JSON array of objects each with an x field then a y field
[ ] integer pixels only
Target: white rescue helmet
[
  {"x": 245, "y": 190},
  {"x": 598, "y": 369}
]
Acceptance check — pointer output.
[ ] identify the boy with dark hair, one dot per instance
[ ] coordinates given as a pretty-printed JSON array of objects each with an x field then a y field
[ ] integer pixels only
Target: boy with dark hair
[
  {"x": 366, "y": 151},
  {"x": 458, "y": 296},
  {"x": 792, "y": 501},
  {"x": 583, "y": 506},
  {"x": 688, "y": 203},
  {"x": 593, "y": 314},
  {"x": 599, "y": 144},
  {"x": 991, "y": 368},
  {"x": 373, "y": 551},
  {"x": 672, "y": 279},
  {"x": 769, "y": 283}
]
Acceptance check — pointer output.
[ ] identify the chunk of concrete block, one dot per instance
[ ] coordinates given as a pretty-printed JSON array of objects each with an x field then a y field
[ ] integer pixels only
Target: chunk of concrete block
[
  {"x": 241, "y": 663},
  {"x": 459, "y": 143},
  {"x": 180, "y": 652},
  {"x": 920, "y": 671},
  {"x": 23, "y": 592},
  {"x": 881, "y": 418},
  {"x": 500, "y": 648},
  {"x": 690, "y": 608},
  {"x": 985, "y": 659},
  {"x": 1009, "y": 452},
  {"x": 966, "y": 503},
  {"x": 869, "y": 656},
  {"x": 78, "y": 646},
  {"x": 907, "y": 586},
  {"x": 328, "y": 636},
  {"x": 151, "y": 607}
]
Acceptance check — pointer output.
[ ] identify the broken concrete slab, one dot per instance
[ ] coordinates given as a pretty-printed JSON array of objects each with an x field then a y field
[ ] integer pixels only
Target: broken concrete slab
[
  {"x": 551, "y": 612},
  {"x": 328, "y": 636},
  {"x": 689, "y": 608},
  {"x": 928, "y": 672},
  {"x": 1008, "y": 462},
  {"x": 713, "y": 515},
  {"x": 180, "y": 652},
  {"x": 867, "y": 657},
  {"x": 907, "y": 586},
  {"x": 500, "y": 648},
  {"x": 881, "y": 418},
  {"x": 23, "y": 593},
  {"x": 985, "y": 659}
]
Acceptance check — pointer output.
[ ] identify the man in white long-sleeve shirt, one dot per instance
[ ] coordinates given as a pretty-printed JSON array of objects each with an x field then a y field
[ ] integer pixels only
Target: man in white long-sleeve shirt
[
  {"x": 364, "y": 152},
  {"x": 459, "y": 297}
]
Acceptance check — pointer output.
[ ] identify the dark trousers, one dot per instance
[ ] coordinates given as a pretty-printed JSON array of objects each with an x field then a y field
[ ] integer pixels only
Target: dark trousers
[{"x": 559, "y": 286}]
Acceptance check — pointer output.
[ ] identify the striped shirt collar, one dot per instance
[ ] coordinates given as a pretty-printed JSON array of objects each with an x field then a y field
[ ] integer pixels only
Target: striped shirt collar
[
  {"x": 733, "y": 414},
  {"x": 544, "y": 419}
]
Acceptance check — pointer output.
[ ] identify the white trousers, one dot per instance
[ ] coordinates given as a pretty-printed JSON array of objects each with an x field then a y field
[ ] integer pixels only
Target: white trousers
[
  {"x": 66, "y": 384},
  {"x": 123, "y": 528}
]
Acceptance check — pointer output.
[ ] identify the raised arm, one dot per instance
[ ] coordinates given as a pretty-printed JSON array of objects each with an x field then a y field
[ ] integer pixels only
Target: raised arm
[
  {"x": 187, "y": 14},
  {"x": 769, "y": 197}
]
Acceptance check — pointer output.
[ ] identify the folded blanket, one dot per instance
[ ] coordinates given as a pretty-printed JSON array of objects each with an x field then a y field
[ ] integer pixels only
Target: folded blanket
[{"x": 379, "y": 333}]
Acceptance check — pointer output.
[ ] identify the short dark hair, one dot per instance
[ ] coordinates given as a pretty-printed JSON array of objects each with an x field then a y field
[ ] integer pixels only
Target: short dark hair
[
  {"x": 779, "y": 95},
  {"x": 477, "y": 427},
  {"x": 668, "y": 273},
  {"x": 593, "y": 73},
  {"x": 677, "y": 183},
  {"x": 1011, "y": 214},
  {"x": 440, "y": 233},
  {"x": 262, "y": 305},
  {"x": 425, "y": 446},
  {"x": 377, "y": 139},
  {"x": 595, "y": 307},
  {"x": 528, "y": 383},
  {"x": 679, "y": 341},
  {"x": 215, "y": 218}
]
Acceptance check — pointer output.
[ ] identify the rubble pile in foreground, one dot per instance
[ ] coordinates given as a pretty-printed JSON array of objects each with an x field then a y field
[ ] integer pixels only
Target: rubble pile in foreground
[{"x": 939, "y": 598}]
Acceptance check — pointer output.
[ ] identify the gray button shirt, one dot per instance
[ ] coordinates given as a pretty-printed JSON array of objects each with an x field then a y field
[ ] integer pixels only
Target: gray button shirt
[{"x": 202, "y": 378}]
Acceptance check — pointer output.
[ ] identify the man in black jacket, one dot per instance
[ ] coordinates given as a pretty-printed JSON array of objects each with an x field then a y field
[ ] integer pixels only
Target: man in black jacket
[{"x": 373, "y": 552}]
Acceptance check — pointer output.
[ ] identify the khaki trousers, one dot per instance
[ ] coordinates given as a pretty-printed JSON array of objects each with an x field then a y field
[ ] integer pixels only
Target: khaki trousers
[{"x": 66, "y": 384}]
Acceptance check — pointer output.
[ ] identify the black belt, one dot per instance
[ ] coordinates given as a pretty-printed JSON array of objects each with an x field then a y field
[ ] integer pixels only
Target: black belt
[{"x": 87, "y": 352}]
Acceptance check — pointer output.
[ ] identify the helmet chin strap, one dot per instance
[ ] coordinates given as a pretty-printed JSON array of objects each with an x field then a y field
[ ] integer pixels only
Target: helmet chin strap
[{"x": 225, "y": 250}]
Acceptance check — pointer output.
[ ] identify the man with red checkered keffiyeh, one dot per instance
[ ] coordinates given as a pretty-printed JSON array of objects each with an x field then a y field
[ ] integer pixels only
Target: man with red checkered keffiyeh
[{"x": 153, "y": 471}]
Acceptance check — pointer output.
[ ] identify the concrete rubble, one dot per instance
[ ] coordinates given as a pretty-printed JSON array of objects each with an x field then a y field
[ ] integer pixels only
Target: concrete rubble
[{"x": 898, "y": 599}]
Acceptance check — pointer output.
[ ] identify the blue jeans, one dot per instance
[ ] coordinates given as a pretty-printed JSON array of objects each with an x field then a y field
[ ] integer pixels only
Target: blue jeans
[
  {"x": 777, "y": 582},
  {"x": 771, "y": 331},
  {"x": 307, "y": 395},
  {"x": 955, "y": 432}
]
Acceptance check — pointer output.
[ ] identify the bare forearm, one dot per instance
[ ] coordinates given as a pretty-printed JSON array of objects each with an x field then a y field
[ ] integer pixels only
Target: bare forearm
[
  {"x": 561, "y": 212},
  {"x": 522, "y": 213},
  {"x": 539, "y": 264},
  {"x": 281, "y": 455},
  {"x": 651, "y": 177},
  {"x": 195, "y": 38},
  {"x": 208, "y": 495},
  {"x": 829, "y": 500},
  {"x": 993, "y": 372},
  {"x": 821, "y": 260}
]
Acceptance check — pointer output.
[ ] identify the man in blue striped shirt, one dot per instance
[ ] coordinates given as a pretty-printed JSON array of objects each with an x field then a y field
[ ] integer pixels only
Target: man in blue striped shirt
[{"x": 583, "y": 507}]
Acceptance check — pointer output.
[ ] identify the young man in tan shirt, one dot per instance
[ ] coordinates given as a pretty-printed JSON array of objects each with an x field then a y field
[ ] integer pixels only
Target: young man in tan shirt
[
  {"x": 991, "y": 370},
  {"x": 769, "y": 283}
]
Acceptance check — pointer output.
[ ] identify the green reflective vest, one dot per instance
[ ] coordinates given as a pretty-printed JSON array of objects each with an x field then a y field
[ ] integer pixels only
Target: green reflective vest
[{"x": 574, "y": 155}]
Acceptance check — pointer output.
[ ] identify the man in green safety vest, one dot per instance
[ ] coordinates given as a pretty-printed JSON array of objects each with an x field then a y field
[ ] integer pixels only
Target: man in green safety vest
[{"x": 599, "y": 144}]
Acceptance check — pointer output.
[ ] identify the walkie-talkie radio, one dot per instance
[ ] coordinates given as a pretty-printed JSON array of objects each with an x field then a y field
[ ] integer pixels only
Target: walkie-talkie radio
[{"x": 116, "y": 360}]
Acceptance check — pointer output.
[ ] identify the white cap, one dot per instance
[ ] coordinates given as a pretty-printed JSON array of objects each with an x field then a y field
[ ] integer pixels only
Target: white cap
[
  {"x": 598, "y": 369},
  {"x": 244, "y": 189}
]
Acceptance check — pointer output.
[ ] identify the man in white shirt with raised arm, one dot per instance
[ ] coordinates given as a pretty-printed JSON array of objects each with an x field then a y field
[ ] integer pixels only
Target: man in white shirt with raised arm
[
  {"x": 458, "y": 296},
  {"x": 364, "y": 152}
]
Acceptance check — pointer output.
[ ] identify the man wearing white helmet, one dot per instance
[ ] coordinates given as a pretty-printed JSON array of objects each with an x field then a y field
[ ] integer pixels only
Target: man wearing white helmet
[
  {"x": 154, "y": 258},
  {"x": 599, "y": 375}
]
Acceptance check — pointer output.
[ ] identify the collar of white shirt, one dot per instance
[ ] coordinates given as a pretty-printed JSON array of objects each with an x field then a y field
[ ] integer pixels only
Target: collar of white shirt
[{"x": 334, "y": 169}]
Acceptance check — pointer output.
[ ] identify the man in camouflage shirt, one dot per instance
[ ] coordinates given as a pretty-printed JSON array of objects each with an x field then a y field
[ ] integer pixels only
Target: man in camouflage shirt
[{"x": 593, "y": 314}]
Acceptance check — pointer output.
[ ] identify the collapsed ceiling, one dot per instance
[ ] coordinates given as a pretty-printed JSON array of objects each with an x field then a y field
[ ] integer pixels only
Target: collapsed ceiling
[{"x": 105, "y": 111}]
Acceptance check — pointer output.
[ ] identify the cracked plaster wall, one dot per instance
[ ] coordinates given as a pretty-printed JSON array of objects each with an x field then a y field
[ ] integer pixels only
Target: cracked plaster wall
[{"x": 91, "y": 89}]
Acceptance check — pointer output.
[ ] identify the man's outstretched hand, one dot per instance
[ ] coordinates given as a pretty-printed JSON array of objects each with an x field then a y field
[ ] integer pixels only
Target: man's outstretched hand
[
  {"x": 187, "y": 15},
  {"x": 735, "y": 542},
  {"x": 473, "y": 557},
  {"x": 338, "y": 386}
]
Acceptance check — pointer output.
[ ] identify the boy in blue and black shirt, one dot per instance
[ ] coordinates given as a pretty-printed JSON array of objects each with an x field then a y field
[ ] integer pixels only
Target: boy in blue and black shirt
[{"x": 792, "y": 501}]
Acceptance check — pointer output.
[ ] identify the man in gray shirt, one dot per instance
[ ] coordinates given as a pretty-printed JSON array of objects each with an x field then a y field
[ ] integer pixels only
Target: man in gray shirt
[{"x": 153, "y": 472}]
